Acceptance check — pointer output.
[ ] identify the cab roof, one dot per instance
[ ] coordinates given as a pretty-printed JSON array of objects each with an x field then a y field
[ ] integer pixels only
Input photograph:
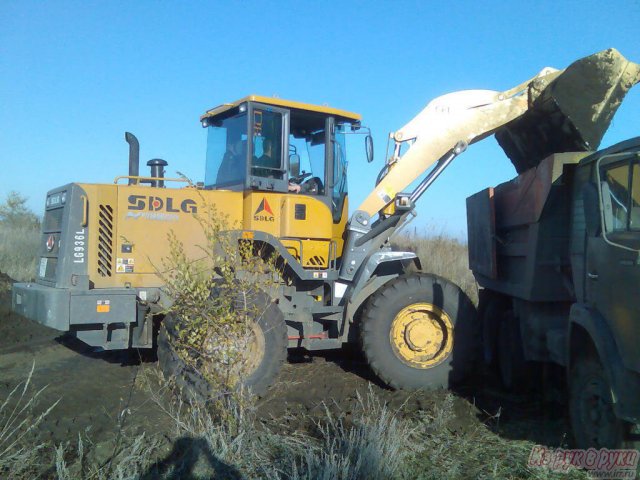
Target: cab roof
[{"x": 280, "y": 102}]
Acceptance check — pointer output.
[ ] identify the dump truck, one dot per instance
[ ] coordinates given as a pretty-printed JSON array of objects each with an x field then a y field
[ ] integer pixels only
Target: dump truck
[
  {"x": 556, "y": 252},
  {"x": 278, "y": 170}
]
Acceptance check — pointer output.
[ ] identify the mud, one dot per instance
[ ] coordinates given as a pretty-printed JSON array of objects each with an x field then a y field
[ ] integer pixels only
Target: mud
[{"x": 94, "y": 388}]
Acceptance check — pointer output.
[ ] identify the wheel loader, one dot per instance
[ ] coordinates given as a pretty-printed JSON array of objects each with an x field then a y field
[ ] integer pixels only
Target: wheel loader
[{"x": 278, "y": 170}]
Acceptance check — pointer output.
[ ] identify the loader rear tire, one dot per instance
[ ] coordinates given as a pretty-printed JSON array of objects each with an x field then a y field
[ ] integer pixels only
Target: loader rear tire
[
  {"x": 418, "y": 332},
  {"x": 270, "y": 339}
]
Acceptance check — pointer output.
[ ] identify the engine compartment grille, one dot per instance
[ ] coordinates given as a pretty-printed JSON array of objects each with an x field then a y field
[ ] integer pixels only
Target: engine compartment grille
[{"x": 105, "y": 240}]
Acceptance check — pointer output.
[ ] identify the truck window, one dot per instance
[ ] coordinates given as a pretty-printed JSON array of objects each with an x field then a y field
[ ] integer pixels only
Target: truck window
[{"x": 616, "y": 198}]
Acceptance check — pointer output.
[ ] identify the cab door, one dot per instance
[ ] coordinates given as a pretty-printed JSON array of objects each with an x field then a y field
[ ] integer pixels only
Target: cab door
[{"x": 613, "y": 268}]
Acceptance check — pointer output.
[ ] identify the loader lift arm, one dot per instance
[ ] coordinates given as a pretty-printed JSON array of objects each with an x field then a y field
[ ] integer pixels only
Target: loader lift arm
[{"x": 561, "y": 109}]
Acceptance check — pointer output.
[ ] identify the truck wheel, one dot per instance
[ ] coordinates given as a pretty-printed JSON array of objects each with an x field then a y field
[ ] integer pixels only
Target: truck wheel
[
  {"x": 418, "y": 332},
  {"x": 511, "y": 363},
  {"x": 491, "y": 309},
  {"x": 264, "y": 357},
  {"x": 593, "y": 420}
]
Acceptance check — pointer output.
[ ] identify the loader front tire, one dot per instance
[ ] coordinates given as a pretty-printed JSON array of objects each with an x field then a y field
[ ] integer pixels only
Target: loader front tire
[
  {"x": 418, "y": 332},
  {"x": 266, "y": 354}
]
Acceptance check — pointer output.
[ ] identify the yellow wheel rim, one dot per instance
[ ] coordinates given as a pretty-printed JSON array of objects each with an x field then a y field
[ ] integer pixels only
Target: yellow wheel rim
[{"x": 421, "y": 335}]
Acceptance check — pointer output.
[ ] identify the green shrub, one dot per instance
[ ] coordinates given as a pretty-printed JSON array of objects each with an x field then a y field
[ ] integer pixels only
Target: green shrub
[{"x": 212, "y": 311}]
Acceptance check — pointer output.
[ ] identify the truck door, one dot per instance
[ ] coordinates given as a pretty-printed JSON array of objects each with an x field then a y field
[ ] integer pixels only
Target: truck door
[{"x": 613, "y": 269}]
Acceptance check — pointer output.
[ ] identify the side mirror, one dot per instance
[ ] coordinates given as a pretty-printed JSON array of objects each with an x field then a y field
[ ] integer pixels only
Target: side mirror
[
  {"x": 294, "y": 165},
  {"x": 591, "y": 203},
  {"x": 368, "y": 146}
]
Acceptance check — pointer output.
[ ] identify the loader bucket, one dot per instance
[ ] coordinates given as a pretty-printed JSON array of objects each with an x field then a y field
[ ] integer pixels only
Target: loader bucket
[{"x": 572, "y": 112}]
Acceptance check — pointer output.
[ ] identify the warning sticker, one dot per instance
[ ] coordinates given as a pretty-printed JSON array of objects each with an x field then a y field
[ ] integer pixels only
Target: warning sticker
[
  {"x": 124, "y": 265},
  {"x": 103, "y": 306},
  {"x": 386, "y": 194}
]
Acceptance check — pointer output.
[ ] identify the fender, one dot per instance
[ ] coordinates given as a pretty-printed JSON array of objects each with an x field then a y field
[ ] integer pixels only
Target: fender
[
  {"x": 280, "y": 249},
  {"x": 366, "y": 283},
  {"x": 625, "y": 384}
]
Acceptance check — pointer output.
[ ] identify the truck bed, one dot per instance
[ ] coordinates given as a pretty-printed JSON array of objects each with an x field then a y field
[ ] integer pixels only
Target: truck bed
[{"x": 519, "y": 232}]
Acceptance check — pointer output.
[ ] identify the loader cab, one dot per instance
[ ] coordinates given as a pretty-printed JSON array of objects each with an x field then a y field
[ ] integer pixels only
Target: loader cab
[{"x": 274, "y": 145}]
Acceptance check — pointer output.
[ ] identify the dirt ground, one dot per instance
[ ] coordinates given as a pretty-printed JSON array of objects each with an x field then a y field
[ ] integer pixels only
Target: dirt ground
[{"x": 95, "y": 387}]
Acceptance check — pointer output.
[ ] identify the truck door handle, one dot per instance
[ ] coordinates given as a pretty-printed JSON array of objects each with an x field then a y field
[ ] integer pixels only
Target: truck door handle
[
  {"x": 592, "y": 276},
  {"x": 627, "y": 263}
]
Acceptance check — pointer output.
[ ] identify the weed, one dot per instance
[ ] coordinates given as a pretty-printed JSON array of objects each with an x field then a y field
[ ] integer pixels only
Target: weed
[{"x": 19, "y": 452}]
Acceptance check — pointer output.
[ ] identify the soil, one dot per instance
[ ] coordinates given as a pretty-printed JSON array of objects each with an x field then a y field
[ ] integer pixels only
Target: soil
[
  {"x": 95, "y": 387},
  {"x": 572, "y": 112}
]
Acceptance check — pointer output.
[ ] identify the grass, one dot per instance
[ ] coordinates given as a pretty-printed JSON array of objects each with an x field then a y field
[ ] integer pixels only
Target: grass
[
  {"x": 19, "y": 251},
  {"x": 443, "y": 255},
  {"x": 19, "y": 449},
  {"x": 369, "y": 441}
]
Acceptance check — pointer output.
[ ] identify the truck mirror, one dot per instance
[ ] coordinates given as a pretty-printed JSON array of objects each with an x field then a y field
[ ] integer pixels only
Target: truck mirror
[
  {"x": 591, "y": 209},
  {"x": 368, "y": 146}
]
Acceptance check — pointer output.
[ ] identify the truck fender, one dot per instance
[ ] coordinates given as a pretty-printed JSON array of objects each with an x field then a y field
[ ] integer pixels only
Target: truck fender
[
  {"x": 370, "y": 279},
  {"x": 625, "y": 384}
]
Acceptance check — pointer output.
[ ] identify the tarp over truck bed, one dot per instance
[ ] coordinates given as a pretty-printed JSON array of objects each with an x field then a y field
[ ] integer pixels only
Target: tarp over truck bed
[{"x": 571, "y": 112}]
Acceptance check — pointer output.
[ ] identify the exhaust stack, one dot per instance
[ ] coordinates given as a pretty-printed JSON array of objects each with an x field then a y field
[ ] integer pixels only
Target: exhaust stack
[{"x": 134, "y": 157}]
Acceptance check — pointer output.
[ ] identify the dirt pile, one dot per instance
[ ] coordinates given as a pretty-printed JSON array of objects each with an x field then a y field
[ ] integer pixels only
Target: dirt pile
[{"x": 572, "y": 111}]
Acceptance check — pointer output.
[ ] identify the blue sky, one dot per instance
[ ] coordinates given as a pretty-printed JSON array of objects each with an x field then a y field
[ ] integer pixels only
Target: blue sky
[{"x": 75, "y": 75}]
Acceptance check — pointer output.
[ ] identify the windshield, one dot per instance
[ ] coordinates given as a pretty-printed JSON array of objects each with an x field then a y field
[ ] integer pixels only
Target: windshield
[{"x": 226, "y": 152}]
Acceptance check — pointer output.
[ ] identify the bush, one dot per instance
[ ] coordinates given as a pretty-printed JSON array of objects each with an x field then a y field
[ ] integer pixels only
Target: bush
[
  {"x": 19, "y": 238},
  {"x": 212, "y": 314}
]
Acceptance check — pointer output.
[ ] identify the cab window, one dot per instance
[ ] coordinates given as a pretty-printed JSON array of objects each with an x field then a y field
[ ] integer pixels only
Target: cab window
[
  {"x": 266, "y": 157},
  {"x": 226, "y": 152},
  {"x": 339, "y": 190},
  {"x": 621, "y": 197},
  {"x": 307, "y": 161}
]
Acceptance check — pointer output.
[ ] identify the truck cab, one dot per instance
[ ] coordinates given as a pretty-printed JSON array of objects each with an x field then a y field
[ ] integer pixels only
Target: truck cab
[{"x": 556, "y": 253}]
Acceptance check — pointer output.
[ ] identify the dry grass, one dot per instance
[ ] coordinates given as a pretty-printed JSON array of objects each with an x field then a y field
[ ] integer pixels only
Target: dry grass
[
  {"x": 370, "y": 441},
  {"x": 443, "y": 255},
  {"x": 476, "y": 454},
  {"x": 19, "y": 449},
  {"x": 19, "y": 251}
]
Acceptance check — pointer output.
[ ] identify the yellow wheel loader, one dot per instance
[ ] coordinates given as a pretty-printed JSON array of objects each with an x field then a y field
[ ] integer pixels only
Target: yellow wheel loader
[{"x": 278, "y": 169}]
